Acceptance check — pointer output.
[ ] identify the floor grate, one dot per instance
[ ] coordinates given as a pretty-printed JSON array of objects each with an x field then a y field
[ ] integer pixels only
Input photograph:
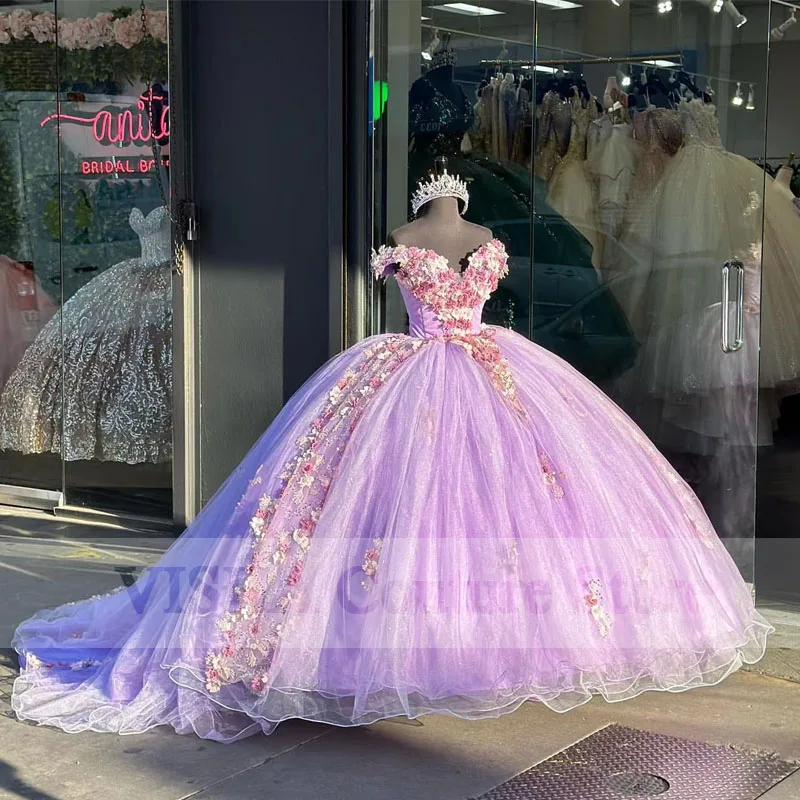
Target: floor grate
[{"x": 618, "y": 762}]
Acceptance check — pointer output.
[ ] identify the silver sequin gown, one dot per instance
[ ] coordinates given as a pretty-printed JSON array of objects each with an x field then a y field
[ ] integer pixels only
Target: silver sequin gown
[{"x": 115, "y": 355}]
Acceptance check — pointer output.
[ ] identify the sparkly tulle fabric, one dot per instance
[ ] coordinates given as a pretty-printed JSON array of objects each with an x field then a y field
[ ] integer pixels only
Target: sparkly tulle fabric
[
  {"x": 453, "y": 521},
  {"x": 97, "y": 381}
]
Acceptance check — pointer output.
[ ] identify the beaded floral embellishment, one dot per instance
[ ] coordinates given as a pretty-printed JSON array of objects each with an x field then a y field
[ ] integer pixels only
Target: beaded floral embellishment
[
  {"x": 282, "y": 527},
  {"x": 594, "y": 600},
  {"x": 453, "y": 296},
  {"x": 486, "y": 352},
  {"x": 552, "y": 478},
  {"x": 370, "y": 565}
]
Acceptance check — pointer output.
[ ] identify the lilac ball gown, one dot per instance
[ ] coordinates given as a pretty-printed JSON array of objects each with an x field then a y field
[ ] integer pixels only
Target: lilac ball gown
[{"x": 453, "y": 521}]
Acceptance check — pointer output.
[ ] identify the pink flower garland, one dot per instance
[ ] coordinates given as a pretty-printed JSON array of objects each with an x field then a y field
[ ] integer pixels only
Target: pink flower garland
[{"x": 86, "y": 33}]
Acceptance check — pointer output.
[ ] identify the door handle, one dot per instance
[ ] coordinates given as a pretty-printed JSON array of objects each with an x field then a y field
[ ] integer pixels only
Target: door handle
[{"x": 735, "y": 267}]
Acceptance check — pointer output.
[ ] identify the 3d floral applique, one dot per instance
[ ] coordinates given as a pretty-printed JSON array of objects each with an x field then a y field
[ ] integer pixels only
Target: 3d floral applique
[
  {"x": 551, "y": 477},
  {"x": 594, "y": 601},
  {"x": 453, "y": 296},
  {"x": 487, "y": 354},
  {"x": 283, "y": 524},
  {"x": 511, "y": 561},
  {"x": 370, "y": 565}
]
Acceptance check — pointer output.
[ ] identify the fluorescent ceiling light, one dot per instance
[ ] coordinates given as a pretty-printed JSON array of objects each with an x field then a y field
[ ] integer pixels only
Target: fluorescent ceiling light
[
  {"x": 469, "y": 9},
  {"x": 659, "y": 62},
  {"x": 544, "y": 68},
  {"x": 422, "y": 19},
  {"x": 559, "y": 4}
]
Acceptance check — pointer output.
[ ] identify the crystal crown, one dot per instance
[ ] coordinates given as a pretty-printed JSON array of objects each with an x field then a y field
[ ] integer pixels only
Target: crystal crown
[{"x": 445, "y": 185}]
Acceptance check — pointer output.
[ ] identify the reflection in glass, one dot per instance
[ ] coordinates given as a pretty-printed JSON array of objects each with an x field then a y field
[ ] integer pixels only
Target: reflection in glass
[
  {"x": 88, "y": 407},
  {"x": 610, "y": 162}
]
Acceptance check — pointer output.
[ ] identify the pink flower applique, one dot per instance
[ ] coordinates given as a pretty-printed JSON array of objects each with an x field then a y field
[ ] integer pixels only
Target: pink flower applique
[
  {"x": 370, "y": 565},
  {"x": 594, "y": 601},
  {"x": 552, "y": 478}
]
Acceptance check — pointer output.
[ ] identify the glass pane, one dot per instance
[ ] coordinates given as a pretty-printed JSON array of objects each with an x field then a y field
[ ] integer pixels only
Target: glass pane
[
  {"x": 648, "y": 115},
  {"x": 88, "y": 407},
  {"x": 777, "y": 521},
  {"x": 30, "y": 272},
  {"x": 441, "y": 71},
  {"x": 117, "y": 313}
]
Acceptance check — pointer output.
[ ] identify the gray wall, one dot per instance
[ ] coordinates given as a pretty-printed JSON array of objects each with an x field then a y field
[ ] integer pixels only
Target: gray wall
[{"x": 263, "y": 187}]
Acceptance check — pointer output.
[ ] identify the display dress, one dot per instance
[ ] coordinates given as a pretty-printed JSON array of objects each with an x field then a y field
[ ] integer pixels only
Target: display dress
[
  {"x": 571, "y": 192},
  {"x": 106, "y": 361},
  {"x": 438, "y": 522},
  {"x": 658, "y": 132},
  {"x": 24, "y": 310},
  {"x": 554, "y": 134},
  {"x": 612, "y": 162}
]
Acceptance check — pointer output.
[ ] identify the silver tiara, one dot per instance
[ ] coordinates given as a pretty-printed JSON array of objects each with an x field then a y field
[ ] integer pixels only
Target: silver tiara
[{"x": 445, "y": 185}]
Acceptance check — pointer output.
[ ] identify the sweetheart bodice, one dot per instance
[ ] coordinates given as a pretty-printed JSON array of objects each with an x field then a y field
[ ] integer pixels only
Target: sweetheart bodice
[
  {"x": 153, "y": 231},
  {"x": 699, "y": 123},
  {"x": 439, "y": 301}
]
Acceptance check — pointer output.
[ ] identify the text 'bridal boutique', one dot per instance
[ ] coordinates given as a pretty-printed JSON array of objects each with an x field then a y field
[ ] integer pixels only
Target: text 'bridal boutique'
[{"x": 451, "y": 521}]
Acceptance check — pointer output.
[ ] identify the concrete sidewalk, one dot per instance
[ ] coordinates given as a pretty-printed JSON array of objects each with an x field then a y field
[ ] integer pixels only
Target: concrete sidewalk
[{"x": 45, "y": 562}]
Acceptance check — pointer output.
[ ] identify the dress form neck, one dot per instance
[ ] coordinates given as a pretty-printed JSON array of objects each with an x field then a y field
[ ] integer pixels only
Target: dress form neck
[{"x": 441, "y": 228}]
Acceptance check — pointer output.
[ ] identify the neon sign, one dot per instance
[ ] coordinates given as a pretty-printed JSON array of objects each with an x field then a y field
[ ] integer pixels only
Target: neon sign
[
  {"x": 115, "y": 166},
  {"x": 123, "y": 127}
]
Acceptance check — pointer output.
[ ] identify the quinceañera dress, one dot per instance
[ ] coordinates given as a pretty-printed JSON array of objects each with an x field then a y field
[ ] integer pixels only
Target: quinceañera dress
[
  {"x": 97, "y": 381},
  {"x": 451, "y": 521}
]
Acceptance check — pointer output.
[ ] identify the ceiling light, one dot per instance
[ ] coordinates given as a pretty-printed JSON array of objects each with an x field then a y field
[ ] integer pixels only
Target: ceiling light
[
  {"x": 779, "y": 32},
  {"x": 664, "y": 6},
  {"x": 426, "y": 55},
  {"x": 469, "y": 9},
  {"x": 423, "y": 19},
  {"x": 717, "y": 6},
  {"x": 560, "y": 5},
  {"x": 659, "y": 62},
  {"x": 617, "y": 3},
  {"x": 751, "y": 99},
  {"x": 737, "y": 98},
  {"x": 733, "y": 12}
]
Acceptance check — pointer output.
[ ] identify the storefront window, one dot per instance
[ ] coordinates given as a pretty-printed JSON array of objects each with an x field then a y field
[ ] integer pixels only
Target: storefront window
[
  {"x": 610, "y": 146},
  {"x": 85, "y": 274}
]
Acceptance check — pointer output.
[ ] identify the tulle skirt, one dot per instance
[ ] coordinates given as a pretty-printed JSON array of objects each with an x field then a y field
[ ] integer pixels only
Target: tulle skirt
[
  {"x": 428, "y": 526},
  {"x": 97, "y": 381}
]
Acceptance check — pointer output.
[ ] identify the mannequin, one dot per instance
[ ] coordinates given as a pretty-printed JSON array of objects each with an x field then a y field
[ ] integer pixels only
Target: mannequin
[{"x": 440, "y": 227}]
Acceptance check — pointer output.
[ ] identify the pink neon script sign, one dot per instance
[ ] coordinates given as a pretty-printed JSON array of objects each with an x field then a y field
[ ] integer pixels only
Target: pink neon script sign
[{"x": 123, "y": 127}]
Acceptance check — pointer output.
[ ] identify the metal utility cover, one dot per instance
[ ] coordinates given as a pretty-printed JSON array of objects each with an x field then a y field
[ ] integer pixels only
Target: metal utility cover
[{"x": 618, "y": 762}]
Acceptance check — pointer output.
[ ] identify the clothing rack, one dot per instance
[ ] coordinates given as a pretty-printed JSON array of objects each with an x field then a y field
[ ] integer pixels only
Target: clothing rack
[
  {"x": 639, "y": 61},
  {"x": 642, "y": 61},
  {"x": 576, "y": 57}
]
